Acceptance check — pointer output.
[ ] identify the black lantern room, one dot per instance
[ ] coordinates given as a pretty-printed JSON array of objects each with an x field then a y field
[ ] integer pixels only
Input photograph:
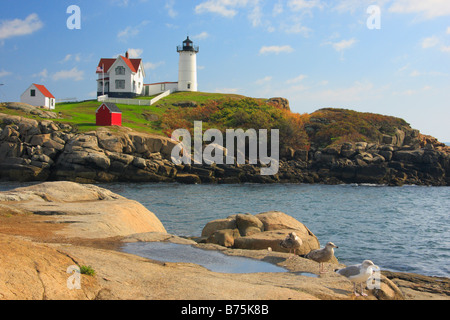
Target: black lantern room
[{"x": 188, "y": 45}]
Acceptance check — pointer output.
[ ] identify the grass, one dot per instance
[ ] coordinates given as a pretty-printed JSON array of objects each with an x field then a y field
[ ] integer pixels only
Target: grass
[
  {"x": 87, "y": 270},
  {"x": 321, "y": 128},
  {"x": 139, "y": 118}
]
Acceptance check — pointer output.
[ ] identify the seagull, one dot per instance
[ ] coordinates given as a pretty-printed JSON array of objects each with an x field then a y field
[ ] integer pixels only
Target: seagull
[
  {"x": 358, "y": 273},
  {"x": 292, "y": 241},
  {"x": 322, "y": 255}
]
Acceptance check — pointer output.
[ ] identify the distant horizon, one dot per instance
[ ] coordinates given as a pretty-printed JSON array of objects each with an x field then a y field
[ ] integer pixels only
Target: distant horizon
[{"x": 386, "y": 57}]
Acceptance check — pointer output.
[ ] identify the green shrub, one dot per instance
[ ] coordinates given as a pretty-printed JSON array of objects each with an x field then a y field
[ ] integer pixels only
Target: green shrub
[{"x": 87, "y": 270}]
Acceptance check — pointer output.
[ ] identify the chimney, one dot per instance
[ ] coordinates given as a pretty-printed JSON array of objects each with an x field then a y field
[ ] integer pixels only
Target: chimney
[{"x": 126, "y": 54}]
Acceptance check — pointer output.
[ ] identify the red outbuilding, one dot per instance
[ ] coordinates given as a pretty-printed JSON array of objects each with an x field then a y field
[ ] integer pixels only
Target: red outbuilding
[{"x": 108, "y": 114}]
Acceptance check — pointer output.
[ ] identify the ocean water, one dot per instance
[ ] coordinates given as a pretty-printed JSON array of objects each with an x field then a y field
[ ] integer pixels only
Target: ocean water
[{"x": 403, "y": 229}]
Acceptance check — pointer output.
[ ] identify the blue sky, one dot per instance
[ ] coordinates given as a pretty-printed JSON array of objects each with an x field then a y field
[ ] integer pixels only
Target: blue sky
[{"x": 315, "y": 53}]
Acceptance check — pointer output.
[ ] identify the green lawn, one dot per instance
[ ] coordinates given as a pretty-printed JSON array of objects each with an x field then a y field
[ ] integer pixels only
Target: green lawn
[{"x": 140, "y": 118}]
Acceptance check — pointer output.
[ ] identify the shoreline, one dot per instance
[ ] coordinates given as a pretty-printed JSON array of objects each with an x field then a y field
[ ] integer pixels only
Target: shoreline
[
  {"x": 196, "y": 233},
  {"x": 48, "y": 227},
  {"x": 48, "y": 151}
]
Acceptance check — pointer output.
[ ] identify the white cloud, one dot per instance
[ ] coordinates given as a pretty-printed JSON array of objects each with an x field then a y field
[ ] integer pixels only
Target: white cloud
[
  {"x": 152, "y": 66},
  {"x": 263, "y": 80},
  {"x": 225, "y": 8},
  {"x": 343, "y": 44},
  {"x": 201, "y": 36},
  {"x": 353, "y": 6},
  {"x": 43, "y": 74},
  {"x": 73, "y": 74},
  {"x": 68, "y": 57},
  {"x": 416, "y": 73},
  {"x": 427, "y": 9},
  {"x": 230, "y": 8},
  {"x": 121, "y": 3},
  {"x": 135, "y": 53},
  {"x": 255, "y": 16},
  {"x": 448, "y": 30},
  {"x": 276, "y": 49},
  {"x": 170, "y": 8},
  {"x": 430, "y": 42},
  {"x": 295, "y": 28},
  {"x": 296, "y": 79},
  {"x": 18, "y": 27},
  {"x": 130, "y": 32},
  {"x": 356, "y": 92},
  {"x": 445, "y": 49},
  {"x": 277, "y": 8},
  {"x": 297, "y": 5},
  {"x": 4, "y": 73}
]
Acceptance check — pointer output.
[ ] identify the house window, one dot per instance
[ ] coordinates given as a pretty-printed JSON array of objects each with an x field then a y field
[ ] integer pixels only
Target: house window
[
  {"x": 120, "y": 84},
  {"x": 189, "y": 85},
  {"x": 32, "y": 93},
  {"x": 163, "y": 87},
  {"x": 120, "y": 70}
]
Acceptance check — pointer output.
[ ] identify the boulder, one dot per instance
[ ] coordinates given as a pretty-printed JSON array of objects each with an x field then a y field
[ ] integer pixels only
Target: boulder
[
  {"x": 414, "y": 156},
  {"x": 188, "y": 178},
  {"x": 248, "y": 224},
  {"x": 260, "y": 231},
  {"x": 219, "y": 224},
  {"x": 85, "y": 211},
  {"x": 301, "y": 155},
  {"x": 40, "y": 139},
  {"x": 224, "y": 237},
  {"x": 347, "y": 150},
  {"x": 278, "y": 102}
]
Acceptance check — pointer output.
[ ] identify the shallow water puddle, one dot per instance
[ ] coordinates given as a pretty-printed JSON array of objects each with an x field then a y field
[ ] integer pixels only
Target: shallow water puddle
[{"x": 212, "y": 260}]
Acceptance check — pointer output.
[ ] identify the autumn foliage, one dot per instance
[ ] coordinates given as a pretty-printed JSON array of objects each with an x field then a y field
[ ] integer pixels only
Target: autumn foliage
[
  {"x": 300, "y": 131},
  {"x": 246, "y": 113}
]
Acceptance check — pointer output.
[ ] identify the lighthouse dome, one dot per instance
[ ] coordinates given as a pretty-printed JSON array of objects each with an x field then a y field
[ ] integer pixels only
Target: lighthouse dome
[{"x": 188, "y": 45}]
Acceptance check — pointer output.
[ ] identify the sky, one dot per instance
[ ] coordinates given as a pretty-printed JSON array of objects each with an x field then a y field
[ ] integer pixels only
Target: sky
[{"x": 390, "y": 56}]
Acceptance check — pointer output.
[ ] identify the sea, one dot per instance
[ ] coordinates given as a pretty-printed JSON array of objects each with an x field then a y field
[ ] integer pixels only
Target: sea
[{"x": 404, "y": 229}]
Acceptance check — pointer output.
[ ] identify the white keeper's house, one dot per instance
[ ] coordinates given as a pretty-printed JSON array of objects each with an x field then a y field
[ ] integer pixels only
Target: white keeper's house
[
  {"x": 38, "y": 95},
  {"x": 123, "y": 77}
]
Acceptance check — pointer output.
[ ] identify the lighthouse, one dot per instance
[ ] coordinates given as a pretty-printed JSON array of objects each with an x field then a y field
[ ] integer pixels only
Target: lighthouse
[{"x": 187, "y": 68}]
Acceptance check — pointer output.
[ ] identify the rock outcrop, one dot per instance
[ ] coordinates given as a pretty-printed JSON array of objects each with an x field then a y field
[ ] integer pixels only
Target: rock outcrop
[
  {"x": 259, "y": 232},
  {"x": 32, "y": 150},
  {"x": 48, "y": 228},
  {"x": 85, "y": 211}
]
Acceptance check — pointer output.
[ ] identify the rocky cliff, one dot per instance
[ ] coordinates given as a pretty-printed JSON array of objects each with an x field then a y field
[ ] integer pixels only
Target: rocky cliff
[{"x": 46, "y": 150}]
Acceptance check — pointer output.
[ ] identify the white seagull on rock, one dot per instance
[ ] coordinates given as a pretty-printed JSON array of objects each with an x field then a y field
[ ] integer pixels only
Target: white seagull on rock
[
  {"x": 358, "y": 273},
  {"x": 292, "y": 241},
  {"x": 322, "y": 255}
]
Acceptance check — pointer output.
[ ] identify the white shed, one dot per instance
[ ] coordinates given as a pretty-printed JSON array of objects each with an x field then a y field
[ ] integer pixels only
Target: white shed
[{"x": 38, "y": 95}]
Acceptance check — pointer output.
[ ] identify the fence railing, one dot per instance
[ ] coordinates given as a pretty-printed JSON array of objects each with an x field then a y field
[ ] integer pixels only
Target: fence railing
[{"x": 136, "y": 102}]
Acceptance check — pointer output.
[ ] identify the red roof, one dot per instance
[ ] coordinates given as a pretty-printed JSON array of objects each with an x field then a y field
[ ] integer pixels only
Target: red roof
[
  {"x": 43, "y": 90},
  {"x": 106, "y": 64},
  {"x": 133, "y": 64}
]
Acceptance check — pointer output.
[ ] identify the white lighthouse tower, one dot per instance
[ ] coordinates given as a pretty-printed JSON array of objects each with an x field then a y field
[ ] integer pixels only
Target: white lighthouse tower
[{"x": 187, "y": 68}]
